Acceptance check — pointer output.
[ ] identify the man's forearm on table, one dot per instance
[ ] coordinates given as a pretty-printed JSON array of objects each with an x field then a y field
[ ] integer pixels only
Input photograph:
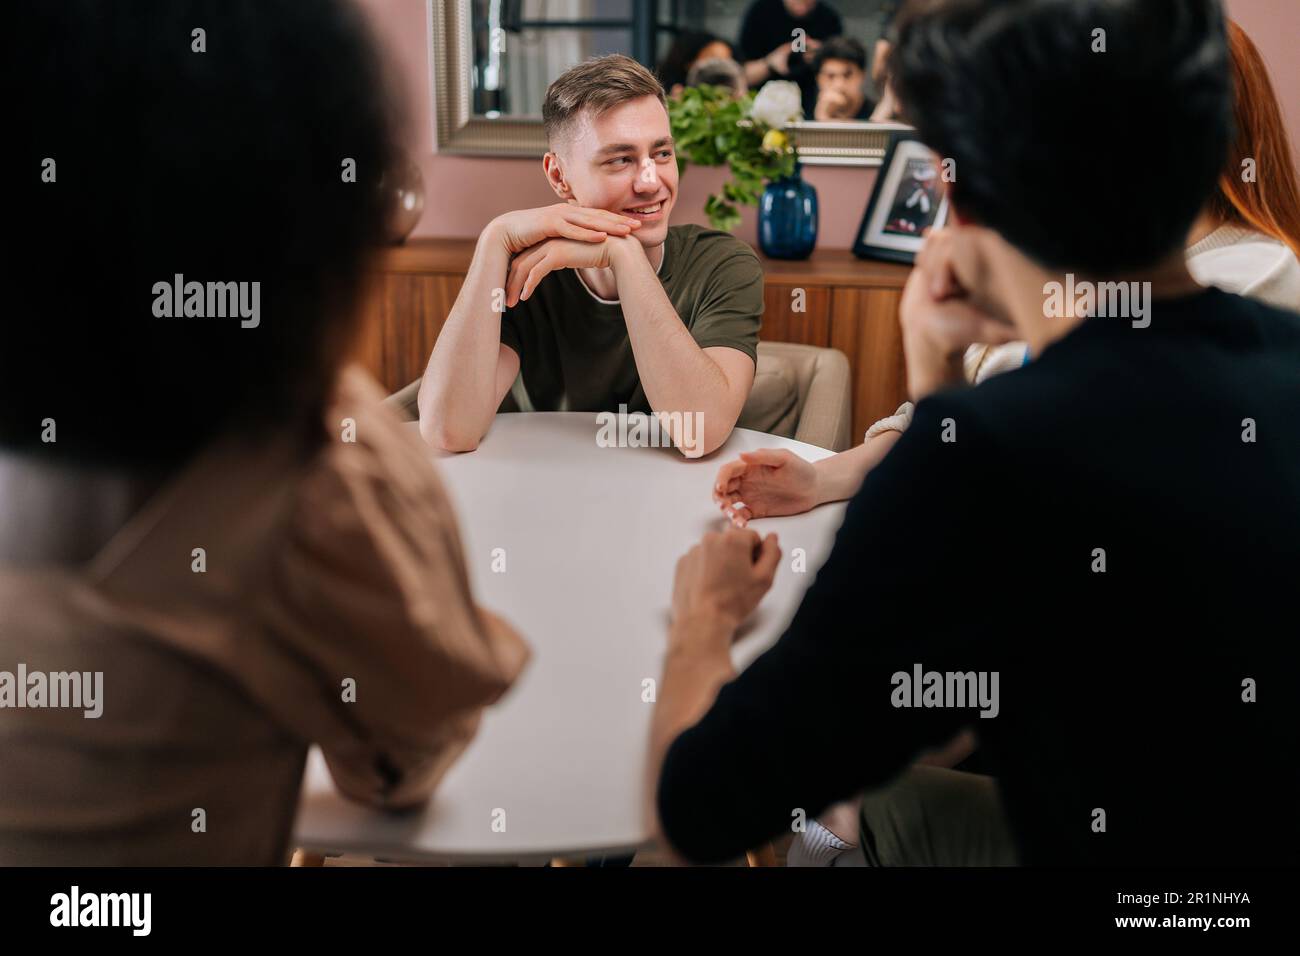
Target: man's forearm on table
[
  {"x": 457, "y": 395},
  {"x": 676, "y": 374}
]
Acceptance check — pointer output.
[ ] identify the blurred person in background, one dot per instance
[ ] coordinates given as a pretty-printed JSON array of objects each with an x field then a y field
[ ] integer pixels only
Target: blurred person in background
[
  {"x": 841, "y": 70},
  {"x": 769, "y": 44},
  {"x": 690, "y": 49},
  {"x": 717, "y": 72}
]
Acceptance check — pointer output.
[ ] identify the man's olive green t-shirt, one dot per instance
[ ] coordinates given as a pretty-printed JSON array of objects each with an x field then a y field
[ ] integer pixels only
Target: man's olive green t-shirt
[{"x": 574, "y": 350}]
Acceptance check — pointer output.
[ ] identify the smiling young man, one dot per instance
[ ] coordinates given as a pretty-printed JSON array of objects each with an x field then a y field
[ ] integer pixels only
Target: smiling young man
[{"x": 596, "y": 303}]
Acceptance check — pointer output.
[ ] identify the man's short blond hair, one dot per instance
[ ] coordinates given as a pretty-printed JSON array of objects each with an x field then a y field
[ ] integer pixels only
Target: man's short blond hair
[{"x": 597, "y": 85}]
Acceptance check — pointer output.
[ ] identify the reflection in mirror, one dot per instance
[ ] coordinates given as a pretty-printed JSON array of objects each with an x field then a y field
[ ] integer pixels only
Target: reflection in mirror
[{"x": 520, "y": 46}]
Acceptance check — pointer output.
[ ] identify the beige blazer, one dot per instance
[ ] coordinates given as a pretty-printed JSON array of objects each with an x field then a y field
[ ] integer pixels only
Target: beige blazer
[{"x": 344, "y": 570}]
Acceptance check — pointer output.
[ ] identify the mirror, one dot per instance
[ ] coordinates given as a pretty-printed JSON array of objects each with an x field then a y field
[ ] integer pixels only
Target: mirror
[{"x": 494, "y": 59}]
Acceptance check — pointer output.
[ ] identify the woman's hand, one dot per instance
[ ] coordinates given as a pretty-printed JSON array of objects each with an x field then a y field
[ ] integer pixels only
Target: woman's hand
[{"x": 765, "y": 483}]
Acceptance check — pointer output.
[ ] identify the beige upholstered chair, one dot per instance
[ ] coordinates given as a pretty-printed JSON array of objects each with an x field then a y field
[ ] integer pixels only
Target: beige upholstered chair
[{"x": 800, "y": 392}]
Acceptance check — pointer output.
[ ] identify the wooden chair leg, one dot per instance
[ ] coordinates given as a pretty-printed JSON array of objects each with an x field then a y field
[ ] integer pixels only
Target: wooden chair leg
[
  {"x": 303, "y": 857},
  {"x": 764, "y": 855}
]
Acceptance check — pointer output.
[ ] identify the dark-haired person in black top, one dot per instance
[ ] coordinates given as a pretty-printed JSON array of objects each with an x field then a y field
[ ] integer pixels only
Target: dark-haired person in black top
[
  {"x": 1134, "y": 696},
  {"x": 840, "y": 68},
  {"x": 772, "y": 50}
]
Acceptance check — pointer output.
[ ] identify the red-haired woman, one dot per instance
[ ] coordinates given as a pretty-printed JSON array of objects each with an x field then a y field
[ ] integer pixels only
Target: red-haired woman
[{"x": 1248, "y": 238}]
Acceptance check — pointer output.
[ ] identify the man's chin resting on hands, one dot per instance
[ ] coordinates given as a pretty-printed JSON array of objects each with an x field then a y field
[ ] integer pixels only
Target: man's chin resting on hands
[{"x": 597, "y": 304}]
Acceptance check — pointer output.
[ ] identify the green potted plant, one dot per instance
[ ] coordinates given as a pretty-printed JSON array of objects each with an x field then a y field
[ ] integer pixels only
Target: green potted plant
[{"x": 747, "y": 134}]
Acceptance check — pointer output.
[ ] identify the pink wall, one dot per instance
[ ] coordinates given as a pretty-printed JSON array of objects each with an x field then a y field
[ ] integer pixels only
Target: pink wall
[
  {"x": 1274, "y": 25},
  {"x": 462, "y": 193}
]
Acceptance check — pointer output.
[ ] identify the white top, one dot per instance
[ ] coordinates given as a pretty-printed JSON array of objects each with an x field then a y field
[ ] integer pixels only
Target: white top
[
  {"x": 590, "y": 537},
  {"x": 1245, "y": 262},
  {"x": 980, "y": 362}
]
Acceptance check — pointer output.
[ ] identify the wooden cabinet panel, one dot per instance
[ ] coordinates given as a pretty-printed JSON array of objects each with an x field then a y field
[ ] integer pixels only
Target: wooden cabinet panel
[
  {"x": 415, "y": 308},
  {"x": 783, "y": 323},
  {"x": 369, "y": 348},
  {"x": 403, "y": 320},
  {"x": 864, "y": 326}
]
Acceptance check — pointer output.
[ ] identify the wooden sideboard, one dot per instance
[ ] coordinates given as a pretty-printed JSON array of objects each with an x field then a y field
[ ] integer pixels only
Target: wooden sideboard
[{"x": 847, "y": 303}]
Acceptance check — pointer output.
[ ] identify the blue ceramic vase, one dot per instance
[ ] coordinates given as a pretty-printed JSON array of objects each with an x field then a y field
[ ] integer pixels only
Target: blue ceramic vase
[{"x": 787, "y": 218}]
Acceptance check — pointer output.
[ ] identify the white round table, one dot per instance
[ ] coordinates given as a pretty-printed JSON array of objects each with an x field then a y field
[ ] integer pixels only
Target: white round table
[{"x": 590, "y": 537}]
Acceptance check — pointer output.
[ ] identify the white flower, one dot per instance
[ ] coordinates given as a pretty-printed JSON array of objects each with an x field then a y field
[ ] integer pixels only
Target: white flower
[{"x": 779, "y": 102}]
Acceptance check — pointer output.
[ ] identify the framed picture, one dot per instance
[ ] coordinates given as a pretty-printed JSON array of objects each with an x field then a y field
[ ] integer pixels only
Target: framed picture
[{"x": 907, "y": 201}]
